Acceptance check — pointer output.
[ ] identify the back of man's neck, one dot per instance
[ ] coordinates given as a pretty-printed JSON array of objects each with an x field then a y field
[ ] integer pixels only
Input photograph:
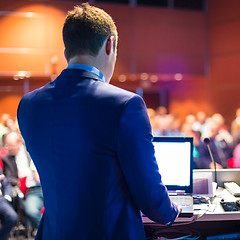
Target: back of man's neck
[{"x": 82, "y": 59}]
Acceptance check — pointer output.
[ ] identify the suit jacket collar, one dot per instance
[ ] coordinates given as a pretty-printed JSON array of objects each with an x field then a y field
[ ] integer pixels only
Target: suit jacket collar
[
  {"x": 80, "y": 73},
  {"x": 89, "y": 68},
  {"x": 76, "y": 75}
]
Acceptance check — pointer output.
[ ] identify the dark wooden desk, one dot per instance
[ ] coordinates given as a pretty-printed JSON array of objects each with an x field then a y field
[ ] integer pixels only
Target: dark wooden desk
[{"x": 215, "y": 221}]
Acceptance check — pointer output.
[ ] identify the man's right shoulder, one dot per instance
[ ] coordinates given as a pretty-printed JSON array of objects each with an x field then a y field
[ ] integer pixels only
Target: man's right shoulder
[{"x": 116, "y": 92}]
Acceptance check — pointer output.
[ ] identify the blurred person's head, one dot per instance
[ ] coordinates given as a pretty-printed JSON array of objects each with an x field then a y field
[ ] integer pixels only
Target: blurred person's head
[
  {"x": 213, "y": 128},
  {"x": 151, "y": 112},
  {"x": 186, "y": 129},
  {"x": 13, "y": 143},
  {"x": 152, "y": 118},
  {"x": 190, "y": 118},
  {"x": 90, "y": 37},
  {"x": 164, "y": 123},
  {"x": 201, "y": 117},
  {"x": 4, "y": 118},
  {"x": 238, "y": 113},
  {"x": 218, "y": 120},
  {"x": 176, "y": 124},
  {"x": 11, "y": 124},
  {"x": 161, "y": 110},
  {"x": 235, "y": 127}
]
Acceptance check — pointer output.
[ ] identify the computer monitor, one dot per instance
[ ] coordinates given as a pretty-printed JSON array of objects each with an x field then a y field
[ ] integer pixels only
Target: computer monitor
[{"x": 174, "y": 159}]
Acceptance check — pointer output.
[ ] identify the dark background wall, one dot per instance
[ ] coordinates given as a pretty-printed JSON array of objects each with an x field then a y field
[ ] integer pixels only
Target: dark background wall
[
  {"x": 224, "y": 50},
  {"x": 202, "y": 46}
]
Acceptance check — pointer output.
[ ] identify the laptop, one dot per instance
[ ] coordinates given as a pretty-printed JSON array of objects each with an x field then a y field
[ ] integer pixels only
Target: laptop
[{"x": 174, "y": 158}]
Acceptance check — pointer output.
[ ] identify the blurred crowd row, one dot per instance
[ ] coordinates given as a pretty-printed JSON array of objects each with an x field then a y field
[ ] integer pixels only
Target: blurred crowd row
[
  {"x": 21, "y": 197},
  {"x": 224, "y": 141},
  {"x": 199, "y": 126},
  {"x": 17, "y": 169}
]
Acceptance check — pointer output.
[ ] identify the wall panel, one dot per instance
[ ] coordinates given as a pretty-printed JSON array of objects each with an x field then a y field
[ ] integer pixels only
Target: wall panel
[
  {"x": 152, "y": 40},
  {"x": 224, "y": 51}
]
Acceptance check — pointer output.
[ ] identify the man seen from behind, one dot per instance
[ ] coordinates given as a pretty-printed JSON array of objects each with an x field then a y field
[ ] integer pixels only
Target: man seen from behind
[{"x": 91, "y": 142}]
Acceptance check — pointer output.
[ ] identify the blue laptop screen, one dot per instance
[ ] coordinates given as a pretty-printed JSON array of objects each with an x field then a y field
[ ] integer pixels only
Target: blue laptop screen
[{"x": 174, "y": 159}]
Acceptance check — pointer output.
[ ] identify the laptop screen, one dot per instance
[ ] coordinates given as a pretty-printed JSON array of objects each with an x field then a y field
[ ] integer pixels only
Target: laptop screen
[{"x": 174, "y": 159}]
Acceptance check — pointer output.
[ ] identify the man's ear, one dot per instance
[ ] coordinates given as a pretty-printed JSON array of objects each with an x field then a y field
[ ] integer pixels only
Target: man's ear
[
  {"x": 65, "y": 55},
  {"x": 109, "y": 45}
]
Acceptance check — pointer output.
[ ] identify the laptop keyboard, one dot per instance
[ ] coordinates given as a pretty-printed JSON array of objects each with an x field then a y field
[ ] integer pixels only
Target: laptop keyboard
[
  {"x": 182, "y": 200},
  {"x": 186, "y": 203}
]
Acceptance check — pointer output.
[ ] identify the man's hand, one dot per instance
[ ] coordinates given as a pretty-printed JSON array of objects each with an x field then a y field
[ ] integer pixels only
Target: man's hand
[{"x": 179, "y": 210}]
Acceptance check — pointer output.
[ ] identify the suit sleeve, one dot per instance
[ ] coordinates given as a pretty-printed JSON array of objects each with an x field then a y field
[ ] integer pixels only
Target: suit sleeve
[{"x": 136, "y": 155}]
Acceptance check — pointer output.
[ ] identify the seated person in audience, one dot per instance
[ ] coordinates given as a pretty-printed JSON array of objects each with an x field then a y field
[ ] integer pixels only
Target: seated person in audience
[
  {"x": 8, "y": 216},
  {"x": 161, "y": 111},
  {"x": 176, "y": 126},
  {"x": 223, "y": 133},
  {"x": 3, "y": 126},
  {"x": 235, "y": 126},
  {"x": 236, "y": 139},
  {"x": 164, "y": 124},
  {"x": 220, "y": 150},
  {"x": 11, "y": 172},
  {"x": 34, "y": 197},
  {"x": 236, "y": 156},
  {"x": 187, "y": 131},
  {"x": 18, "y": 164},
  {"x": 190, "y": 118},
  {"x": 235, "y": 129},
  {"x": 11, "y": 124},
  {"x": 201, "y": 121},
  {"x": 153, "y": 121}
]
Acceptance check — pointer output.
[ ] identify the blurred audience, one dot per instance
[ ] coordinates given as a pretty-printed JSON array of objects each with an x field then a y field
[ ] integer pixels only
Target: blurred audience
[
  {"x": 236, "y": 156},
  {"x": 220, "y": 149},
  {"x": 222, "y": 131},
  {"x": 200, "y": 126},
  {"x": 187, "y": 130},
  {"x": 8, "y": 216},
  {"x": 235, "y": 126},
  {"x": 17, "y": 164},
  {"x": 235, "y": 129},
  {"x": 3, "y": 127}
]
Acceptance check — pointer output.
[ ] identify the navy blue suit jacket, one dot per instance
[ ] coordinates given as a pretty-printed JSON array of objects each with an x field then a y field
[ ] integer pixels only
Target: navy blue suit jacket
[{"x": 91, "y": 144}]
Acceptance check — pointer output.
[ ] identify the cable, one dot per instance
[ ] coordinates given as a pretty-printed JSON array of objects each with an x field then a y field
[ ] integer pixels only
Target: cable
[
  {"x": 194, "y": 219},
  {"x": 175, "y": 232},
  {"x": 174, "y": 229}
]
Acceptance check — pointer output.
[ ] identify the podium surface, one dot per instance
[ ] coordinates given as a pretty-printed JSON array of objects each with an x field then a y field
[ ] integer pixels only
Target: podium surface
[{"x": 209, "y": 219}]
